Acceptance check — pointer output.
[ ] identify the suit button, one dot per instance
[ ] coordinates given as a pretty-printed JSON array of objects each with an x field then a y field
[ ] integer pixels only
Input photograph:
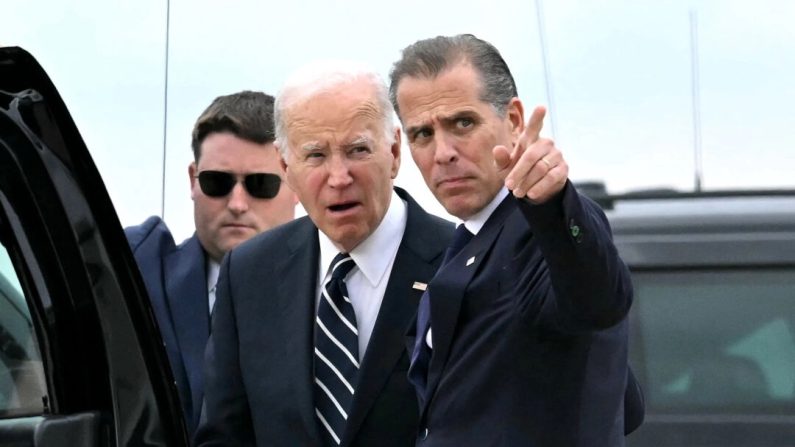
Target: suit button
[
  {"x": 575, "y": 231},
  {"x": 424, "y": 434}
]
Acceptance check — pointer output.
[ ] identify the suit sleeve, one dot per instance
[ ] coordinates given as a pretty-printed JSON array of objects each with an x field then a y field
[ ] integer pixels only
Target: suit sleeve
[
  {"x": 634, "y": 404},
  {"x": 226, "y": 419},
  {"x": 591, "y": 287}
]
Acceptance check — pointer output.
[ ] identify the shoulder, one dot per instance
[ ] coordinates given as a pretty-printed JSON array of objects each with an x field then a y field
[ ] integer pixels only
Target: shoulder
[
  {"x": 427, "y": 230},
  {"x": 153, "y": 231},
  {"x": 276, "y": 241}
]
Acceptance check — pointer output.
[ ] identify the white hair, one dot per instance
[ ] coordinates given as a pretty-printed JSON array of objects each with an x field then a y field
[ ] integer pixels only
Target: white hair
[{"x": 321, "y": 77}]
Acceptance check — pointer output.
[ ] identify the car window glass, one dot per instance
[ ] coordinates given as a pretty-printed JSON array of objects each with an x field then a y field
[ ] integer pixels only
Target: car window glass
[
  {"x": 21, "y": 371},
  {"x": 716, "y": 341}
]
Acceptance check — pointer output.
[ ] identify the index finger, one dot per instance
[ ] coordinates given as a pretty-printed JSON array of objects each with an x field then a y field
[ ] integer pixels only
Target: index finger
[{"x": 534, "y": 124}]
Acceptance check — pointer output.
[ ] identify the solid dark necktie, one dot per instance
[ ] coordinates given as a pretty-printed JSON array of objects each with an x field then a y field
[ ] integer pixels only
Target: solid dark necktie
[
  {"x": 461, "y": 237},
  {"x": 421, "y": 356},
  {"x": 336, "y": 352}
]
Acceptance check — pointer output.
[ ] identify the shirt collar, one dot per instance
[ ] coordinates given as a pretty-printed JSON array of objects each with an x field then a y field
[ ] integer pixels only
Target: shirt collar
[
  {"x": 374, "y": 254},
  {"x": 476, "y": 222}
]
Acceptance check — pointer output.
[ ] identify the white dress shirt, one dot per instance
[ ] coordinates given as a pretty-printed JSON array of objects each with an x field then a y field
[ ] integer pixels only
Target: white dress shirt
[
  {"x": 213, "y": 269},
  {"x": 374, "y": 258},
  {"x": 476, "y": 222}
]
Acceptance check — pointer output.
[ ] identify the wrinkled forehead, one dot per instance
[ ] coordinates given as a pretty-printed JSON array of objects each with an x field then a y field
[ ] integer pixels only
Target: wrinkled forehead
[
  {"x": 339, "y": 118},
  {"x": 458, "y": 85}
]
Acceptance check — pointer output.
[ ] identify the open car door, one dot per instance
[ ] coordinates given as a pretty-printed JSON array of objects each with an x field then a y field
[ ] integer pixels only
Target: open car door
[{"x": 81, "y": 360}]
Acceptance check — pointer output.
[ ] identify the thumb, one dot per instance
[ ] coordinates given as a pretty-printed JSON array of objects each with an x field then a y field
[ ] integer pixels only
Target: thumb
[{"x": 502, "y": 158}]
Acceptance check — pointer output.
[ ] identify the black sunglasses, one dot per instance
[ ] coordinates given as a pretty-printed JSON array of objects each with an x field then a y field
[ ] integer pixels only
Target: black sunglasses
[{"x": 260, "y": 185}]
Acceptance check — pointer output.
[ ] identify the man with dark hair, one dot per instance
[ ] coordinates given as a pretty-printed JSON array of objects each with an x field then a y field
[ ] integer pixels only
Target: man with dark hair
[
  {"x": 238, "y": 191},
  {"x": 310, "y": 350},
  {"x": 521, "y": 337}
]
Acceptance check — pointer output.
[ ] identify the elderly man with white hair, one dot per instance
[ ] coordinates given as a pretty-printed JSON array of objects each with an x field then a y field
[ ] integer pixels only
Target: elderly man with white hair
[{"x": 307, "y": 345}]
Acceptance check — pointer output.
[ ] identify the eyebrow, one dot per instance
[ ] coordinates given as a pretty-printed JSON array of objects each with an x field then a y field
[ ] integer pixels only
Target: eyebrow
[
  {"x": 312, "y": 146},
  {"x": 316, "y": 146},
  {"x": 361, "y": 140},
  {"x": 411, "y": 130},
  {"x": 446, "y": 120}
]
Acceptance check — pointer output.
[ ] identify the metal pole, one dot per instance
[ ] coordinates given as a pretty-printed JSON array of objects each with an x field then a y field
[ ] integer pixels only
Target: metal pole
[
  {"x": 165, "y": 117},
  {"x": 545, "y": 63},
  {"x": 696, "y": 90}
]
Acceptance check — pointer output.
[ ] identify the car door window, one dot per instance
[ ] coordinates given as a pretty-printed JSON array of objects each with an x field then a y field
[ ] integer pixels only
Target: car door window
[
  {"x": 22, "y": 388},
  {"x": 716, "y": 341}
]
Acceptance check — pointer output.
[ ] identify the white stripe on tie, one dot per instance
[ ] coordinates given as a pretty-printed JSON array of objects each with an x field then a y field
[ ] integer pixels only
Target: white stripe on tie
[
  {"x": 334, "y": 368},
  {"x": 341, "y": 261},
  {"x": 337, "y": 342},
  {"x": 328, "y": 427},
  {"x": 337, "y": 311},
  {"x": 331, "y": 396}
]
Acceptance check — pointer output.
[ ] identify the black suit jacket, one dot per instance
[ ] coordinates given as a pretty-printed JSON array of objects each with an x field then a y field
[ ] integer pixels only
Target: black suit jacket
[
  {"x": 176, "y": 281},
  {"x": 259, "y": 370},
  {"x": 529, "y": 332}
]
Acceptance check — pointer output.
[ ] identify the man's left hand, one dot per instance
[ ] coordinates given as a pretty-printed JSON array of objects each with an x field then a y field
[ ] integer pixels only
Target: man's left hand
[{"x": 535, "y": 168}]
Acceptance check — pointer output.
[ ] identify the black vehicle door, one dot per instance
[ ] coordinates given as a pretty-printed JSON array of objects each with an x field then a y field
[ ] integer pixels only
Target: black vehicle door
[{"x": 81, "y": 361}]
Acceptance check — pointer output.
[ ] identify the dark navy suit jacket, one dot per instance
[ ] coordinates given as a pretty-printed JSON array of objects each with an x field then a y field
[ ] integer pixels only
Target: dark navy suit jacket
[
  {"x": 529, "y": 332},
  {"x": 259, "y": 378},
  {"x": 176, "y": 280}
]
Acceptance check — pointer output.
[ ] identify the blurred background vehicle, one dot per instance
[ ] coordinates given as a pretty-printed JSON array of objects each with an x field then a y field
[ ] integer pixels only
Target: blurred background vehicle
[{"x": 712, "y": 328}]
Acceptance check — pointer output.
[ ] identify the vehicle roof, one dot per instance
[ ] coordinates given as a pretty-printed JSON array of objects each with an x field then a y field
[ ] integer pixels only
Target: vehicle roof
[{"x": 705, "y": 231}]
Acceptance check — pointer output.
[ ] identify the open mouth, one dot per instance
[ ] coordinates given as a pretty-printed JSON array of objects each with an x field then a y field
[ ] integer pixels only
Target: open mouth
[{"x": 342, "y": 206}]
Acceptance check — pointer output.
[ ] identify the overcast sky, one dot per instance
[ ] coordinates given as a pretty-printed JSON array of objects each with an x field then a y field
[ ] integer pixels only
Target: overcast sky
[{"x": 620, "y": 77}]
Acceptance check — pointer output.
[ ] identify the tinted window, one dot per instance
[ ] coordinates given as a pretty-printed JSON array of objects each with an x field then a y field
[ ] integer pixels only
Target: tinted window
[
  {"x": 716, "y": 341},
  {"x": 21, "y": 373}
]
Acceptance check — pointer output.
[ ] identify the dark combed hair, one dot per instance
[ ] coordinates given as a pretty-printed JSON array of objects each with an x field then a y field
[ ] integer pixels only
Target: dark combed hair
[
  {"x": 429, "y": 57},
  {"x": 247, "y": 115}
]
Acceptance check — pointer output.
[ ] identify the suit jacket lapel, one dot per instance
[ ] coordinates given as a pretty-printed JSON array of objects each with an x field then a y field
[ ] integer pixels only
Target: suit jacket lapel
[
  {"x": 449, "y": 286},
  {"x": 186, "y": 293},
  {"x": 295, "y": 315},
  {"x": 416, "y": 260}
]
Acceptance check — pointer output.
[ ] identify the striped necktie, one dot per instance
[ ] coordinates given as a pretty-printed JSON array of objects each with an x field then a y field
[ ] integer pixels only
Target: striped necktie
[{"x": 336, "y": 352}]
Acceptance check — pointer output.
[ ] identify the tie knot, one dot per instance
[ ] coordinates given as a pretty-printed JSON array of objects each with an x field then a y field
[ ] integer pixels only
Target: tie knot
[
  {"x": 341, "y": 266},
  {"x": 460, "y": 238}
]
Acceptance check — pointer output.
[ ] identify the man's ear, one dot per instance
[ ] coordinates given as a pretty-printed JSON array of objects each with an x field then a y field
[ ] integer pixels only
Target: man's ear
[
  {"x": 395, "y": 149},
  {"x": 286, "y": 171},
  {"x": 282, "y": 161},
  {"x": 285, "y": 180},
  {"x": 192, "y": 170},
  {"x": 514, "y": 113}
]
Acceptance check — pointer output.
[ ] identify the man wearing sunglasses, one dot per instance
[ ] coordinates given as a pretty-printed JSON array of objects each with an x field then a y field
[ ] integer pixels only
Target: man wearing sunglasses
[
  {"x": 310, "y": 350},
  {"x": 238, "y": 191}
]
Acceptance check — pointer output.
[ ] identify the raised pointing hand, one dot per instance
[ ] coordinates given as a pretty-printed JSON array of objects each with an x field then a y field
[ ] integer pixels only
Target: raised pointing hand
[{"x": 534, "y": 168}]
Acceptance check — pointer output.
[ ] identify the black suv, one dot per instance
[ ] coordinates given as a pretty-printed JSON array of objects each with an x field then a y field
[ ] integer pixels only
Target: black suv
[
  {"x": 712, "y": 336},
  {"x": 81, "y": 361}
]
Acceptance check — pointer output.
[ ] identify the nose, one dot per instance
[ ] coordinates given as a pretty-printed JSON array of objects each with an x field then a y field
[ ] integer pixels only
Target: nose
[
  {"x": 339, "y": 175},
  {"x": 446, "y": 151},
  {"x": 238, "y": 200}
]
